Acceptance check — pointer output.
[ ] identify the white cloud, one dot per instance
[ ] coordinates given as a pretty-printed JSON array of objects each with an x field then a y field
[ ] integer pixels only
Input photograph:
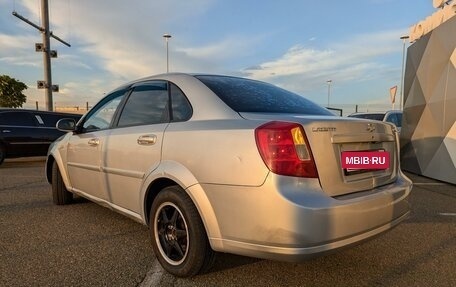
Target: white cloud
[
  {"x": 114, "y": 42},
  {"x": 11, "y": 42},
  {"x": 357, "y": 59},
  {"x": 126, "y": 39},
  {"x": 73, "y": 61},
  {"x": 18, "y": 50},
  {"x": 297, "y": 60},
  {"x": 226, "y": 48},
  {"x": 21, "y": 61},
  {"x": 117, "y": 41}
]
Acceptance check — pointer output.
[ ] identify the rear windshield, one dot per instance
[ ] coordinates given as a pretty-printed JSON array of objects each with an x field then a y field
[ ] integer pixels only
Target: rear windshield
[
  {"x": 249, "y": 96},
  {"x": 377, "y": 117}
]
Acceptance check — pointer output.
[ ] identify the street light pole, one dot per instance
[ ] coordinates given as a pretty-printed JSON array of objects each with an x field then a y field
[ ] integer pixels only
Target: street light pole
[
  {"x": 403, "y": 38},
  {"x": 167, "y": 36},
  {"x": 47, "y": 55},
  {"x": 329, "y": 89},
  {"x": 45, "y": 48}
]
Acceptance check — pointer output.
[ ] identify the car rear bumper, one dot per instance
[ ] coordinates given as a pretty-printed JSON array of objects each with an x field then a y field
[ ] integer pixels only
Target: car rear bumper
[
  {"x": 298, "y": 254},
  {"x": 291, "y": 220}
]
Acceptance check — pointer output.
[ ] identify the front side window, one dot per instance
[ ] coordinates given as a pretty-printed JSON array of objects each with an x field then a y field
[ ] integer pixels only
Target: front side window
[
  {"x": 101, "y": 116},
  {"x": 147, "y": 104}
]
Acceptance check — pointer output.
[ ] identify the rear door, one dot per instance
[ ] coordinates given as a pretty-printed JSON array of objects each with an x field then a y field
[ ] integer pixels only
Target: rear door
[{"x": 133, "y": 148}]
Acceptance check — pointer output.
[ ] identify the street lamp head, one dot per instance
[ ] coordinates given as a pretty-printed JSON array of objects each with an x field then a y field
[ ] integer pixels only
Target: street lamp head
[
  {"x": 329, "y": 81},
  {"x": 166, "y": 36},
  {"x": 405, "y": 37}
]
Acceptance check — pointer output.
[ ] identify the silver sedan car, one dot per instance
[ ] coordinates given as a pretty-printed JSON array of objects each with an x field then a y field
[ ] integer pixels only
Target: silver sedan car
[{"x": 225, "y": 164}]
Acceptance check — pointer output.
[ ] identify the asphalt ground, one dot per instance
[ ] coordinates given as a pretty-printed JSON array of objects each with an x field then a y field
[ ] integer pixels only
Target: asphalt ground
[{"x": 84, "y": 244}]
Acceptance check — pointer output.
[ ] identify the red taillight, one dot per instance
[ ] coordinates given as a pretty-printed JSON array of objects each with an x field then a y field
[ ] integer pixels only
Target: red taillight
[{"x": 284, "y": 149}]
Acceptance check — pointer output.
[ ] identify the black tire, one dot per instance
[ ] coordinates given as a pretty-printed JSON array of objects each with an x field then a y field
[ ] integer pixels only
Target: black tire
[
  {"x": 179, "y": 239},
  {"x": 2, "y": 154},
  {"x": 60, "y": 195}
]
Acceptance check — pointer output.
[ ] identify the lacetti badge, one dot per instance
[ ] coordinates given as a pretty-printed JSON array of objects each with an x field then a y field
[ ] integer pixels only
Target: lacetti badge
[
  {"x": 323, "y": 129},
  {"x": 365, "y": 160}
]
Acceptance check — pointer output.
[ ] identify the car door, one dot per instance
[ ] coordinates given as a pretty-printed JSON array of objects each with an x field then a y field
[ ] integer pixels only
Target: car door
[
  {"x": 46, "y": 132},
  {"x": 85, "y": 146},
  {"x": 21, "y": 134},
  {"x": 133, "y": 148}
]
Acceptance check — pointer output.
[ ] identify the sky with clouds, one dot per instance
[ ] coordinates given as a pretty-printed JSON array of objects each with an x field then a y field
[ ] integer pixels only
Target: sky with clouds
[{"x": 295, "y": 44}]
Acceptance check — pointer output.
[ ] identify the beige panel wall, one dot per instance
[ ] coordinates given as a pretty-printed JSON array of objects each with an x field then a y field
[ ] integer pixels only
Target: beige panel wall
[{"x": 428, "y": 138}]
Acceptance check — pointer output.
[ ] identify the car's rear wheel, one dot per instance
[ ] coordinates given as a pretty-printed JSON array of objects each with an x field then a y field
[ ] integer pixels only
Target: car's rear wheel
[
  {"x": 60, "y": 195},
  {"x": 179, "y": 239}
]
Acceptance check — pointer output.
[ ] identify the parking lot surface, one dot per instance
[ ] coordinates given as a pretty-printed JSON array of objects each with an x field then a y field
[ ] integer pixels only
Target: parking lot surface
[{"x": 84, "y": 244}]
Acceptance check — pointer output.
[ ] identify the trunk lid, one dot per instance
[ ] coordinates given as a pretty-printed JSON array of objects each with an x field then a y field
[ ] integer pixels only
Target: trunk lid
[{"x": 329, "y": 136}]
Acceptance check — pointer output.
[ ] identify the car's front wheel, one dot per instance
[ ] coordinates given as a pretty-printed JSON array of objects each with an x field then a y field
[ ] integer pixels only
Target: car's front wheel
[
  {"x": 179, "y": 239},
  {"x": 60, "y": 195}
]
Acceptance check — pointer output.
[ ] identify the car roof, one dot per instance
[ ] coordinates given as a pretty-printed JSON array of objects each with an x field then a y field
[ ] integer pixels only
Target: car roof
[
  {"x": 175, "y": 75},
  {"x": 36, "y": 111}
]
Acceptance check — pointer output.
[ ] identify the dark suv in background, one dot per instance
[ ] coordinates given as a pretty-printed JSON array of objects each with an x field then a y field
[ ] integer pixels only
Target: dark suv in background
[{"x": 28, "y": 132}]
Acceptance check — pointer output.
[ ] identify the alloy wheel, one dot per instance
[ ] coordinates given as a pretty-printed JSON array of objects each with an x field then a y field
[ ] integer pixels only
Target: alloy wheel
[{"x": 171, "y": 233}]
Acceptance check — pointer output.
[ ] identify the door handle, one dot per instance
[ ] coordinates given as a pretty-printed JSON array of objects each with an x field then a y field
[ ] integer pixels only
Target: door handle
[
  {"x": 147, "y": 140},
  {"x": 94, "y": 142},
  {"x": 6, "y": 131}
]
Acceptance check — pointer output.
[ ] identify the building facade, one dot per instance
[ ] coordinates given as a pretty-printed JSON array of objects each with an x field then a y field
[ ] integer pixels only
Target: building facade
[{"x": 428, "y": 137}]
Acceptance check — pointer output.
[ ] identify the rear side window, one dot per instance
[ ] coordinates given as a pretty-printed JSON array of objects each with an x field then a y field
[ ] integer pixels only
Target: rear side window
[
  {"x": 39, "y": 119},
  {"x": 21, "y": 119},
  {"x": 147, "y": 104},
  {"x": 181, "y": 108},
  {"x": 244, "y": 95}
]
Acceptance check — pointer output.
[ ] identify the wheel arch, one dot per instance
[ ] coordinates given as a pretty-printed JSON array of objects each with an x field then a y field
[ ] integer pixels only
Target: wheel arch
[
  {"x": 173, "y": 173},
  {"x": 151, "y": 193},
  {"x": 59, "y": 161},
  {"x": 49, "y": 162}
]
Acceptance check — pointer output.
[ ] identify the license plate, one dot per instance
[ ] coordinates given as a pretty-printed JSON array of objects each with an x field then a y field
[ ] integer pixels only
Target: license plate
[{"x": 365, "y": 160}]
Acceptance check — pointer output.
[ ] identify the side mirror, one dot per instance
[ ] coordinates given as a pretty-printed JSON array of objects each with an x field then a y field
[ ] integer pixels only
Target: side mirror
[{"x": 66, "y": 125}]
